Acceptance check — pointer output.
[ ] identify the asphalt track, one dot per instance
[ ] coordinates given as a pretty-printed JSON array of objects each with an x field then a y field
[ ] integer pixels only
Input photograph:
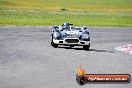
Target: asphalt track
[{"x": 27, "y": 60}]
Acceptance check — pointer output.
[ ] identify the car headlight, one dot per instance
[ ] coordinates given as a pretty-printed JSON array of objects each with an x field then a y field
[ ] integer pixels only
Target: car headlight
[
  {"x": 57, "y": 35},
  {"x": 85, "y": 36}
]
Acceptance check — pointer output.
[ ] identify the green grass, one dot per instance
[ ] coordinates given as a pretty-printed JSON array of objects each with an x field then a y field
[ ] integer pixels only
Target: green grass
[{"x": 79, "y": 12}]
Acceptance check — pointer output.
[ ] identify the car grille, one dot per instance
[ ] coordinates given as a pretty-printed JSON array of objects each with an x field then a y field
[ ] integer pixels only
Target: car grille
[
  {"x": 71, "y": 36},
  {"x": 72, "y": 40}
]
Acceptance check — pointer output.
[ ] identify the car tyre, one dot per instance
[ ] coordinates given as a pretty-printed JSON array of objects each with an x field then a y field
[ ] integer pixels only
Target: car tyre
[
  {"x": 53, "y": 44},
  {"x": 86, "y": 47}
]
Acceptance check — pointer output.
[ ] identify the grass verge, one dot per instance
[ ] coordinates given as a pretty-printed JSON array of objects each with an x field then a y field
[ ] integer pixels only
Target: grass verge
[{"x": 81, "y": 12}]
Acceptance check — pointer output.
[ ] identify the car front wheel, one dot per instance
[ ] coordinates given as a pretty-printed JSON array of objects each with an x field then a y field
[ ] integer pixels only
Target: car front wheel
[
  {"x": 54, "y": 45},
  {"x": 86, "y": 47}
]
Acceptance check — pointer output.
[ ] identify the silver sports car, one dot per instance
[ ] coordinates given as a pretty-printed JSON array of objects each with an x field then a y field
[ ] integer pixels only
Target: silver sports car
[{"x": 70, "y": 36}]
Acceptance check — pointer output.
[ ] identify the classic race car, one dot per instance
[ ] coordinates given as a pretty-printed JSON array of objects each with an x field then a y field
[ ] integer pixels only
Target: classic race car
[{"x": 70, "y": 36}]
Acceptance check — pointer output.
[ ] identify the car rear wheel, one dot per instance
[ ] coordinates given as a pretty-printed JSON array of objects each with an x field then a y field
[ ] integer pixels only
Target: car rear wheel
[{"x": 86, "y": 47}]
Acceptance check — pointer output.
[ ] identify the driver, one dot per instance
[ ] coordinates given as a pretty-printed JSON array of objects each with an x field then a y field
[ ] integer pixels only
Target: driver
[{"x": 66, "y": 25}]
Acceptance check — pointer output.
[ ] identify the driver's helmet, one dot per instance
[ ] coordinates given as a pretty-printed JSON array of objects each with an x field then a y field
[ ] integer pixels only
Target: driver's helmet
[{"x": 66, "y": 24}]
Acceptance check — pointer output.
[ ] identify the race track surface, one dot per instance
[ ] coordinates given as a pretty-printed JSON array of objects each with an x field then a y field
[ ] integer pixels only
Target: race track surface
[{"x": 27, "y": 60}]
